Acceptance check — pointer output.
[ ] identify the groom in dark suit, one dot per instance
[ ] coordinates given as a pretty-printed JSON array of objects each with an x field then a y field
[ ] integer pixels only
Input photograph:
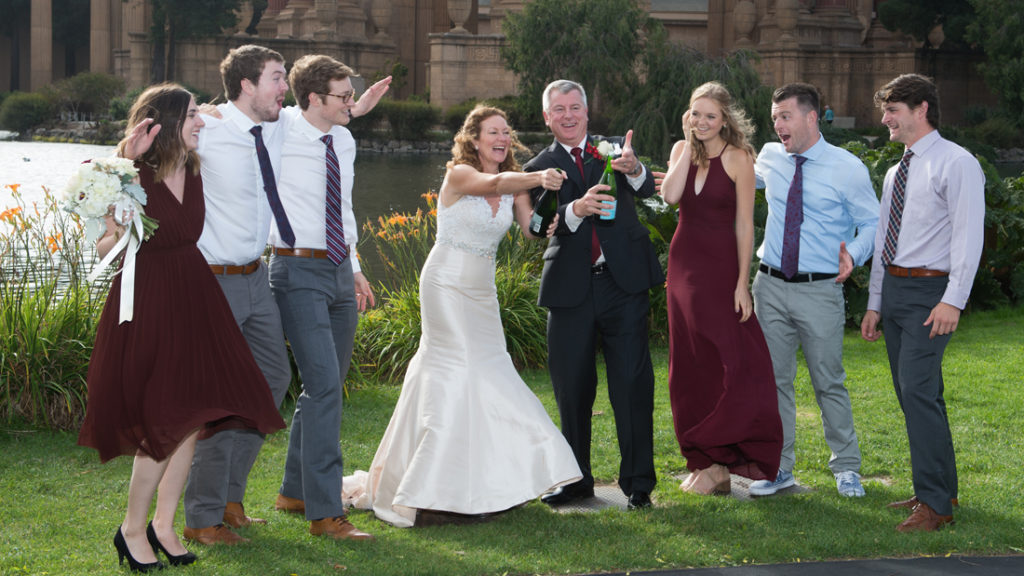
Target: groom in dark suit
[{"x": 594, "y": 284}]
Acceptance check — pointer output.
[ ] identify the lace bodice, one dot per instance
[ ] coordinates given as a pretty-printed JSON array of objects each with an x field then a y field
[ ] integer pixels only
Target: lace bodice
[{"x": 470, "y": 225}]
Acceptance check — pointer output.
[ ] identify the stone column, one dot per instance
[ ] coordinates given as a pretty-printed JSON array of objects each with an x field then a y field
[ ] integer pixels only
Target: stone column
[
  {"x": 40, "y": 44},
  {"x": 99, "y": 36}
]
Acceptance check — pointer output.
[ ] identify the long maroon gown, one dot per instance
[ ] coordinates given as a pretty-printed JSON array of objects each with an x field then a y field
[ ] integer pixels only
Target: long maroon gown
[
  {"x": 181, "y": 363},
  {"x": 724, "y": 403}
]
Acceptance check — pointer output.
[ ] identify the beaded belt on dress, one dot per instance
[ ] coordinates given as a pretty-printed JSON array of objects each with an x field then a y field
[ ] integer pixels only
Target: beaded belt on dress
[{"x": 463, "y": 247}]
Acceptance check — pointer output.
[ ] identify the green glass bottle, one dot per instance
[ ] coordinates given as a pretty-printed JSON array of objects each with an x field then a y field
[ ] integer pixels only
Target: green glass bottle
[
  {"x": 544, "y": 212},
  {"x": 608, "y": 177}
]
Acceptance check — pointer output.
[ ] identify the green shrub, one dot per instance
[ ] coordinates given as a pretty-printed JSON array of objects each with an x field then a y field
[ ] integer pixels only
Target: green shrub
[
  {"x": 88, "y": 93},
  {"x": 409, "y": 120},
  {"x": 121, "y": 105},
  {"x": 48, "y": 315},
  {"x": 388, "y": 335},
  {"x": 456, "y": 115},
  {"x": 997, "y": 131},
  {"x": 22, "y": 111}
]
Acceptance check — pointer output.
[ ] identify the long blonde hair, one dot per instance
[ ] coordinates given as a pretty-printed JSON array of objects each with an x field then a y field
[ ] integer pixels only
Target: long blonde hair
[
  {"x": 463, "y": 151},
  {"x": 737, "y": 128}
]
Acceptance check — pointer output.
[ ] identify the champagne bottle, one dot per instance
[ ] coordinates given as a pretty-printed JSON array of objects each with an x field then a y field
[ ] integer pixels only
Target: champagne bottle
[
  {"x": 544, "y": 212},
  {"x": 608, "y": 177}
]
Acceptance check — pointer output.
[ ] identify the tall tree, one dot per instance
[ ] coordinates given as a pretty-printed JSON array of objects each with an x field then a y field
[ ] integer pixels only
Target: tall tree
[
  {"x": 594, "y": 42},
  {"x": 917, "y": 18},
  {"x": 999, "y": 31},
  {"x": 176, "y": 20}
]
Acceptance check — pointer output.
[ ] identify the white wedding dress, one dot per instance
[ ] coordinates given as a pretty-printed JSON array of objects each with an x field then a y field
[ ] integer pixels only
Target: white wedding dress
[{"x": 467, "y": 435}]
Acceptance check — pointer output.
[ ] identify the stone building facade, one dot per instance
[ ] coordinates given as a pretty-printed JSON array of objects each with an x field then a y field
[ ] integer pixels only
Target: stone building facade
[{"x": 451, "y": 49}]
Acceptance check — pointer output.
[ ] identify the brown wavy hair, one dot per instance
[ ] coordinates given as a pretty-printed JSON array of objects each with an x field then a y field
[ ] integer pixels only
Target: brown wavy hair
[
  {"x": 463, "y": 152},
  {"x": 736, "y": 130},
  {"x": 167, "y": 104},
  {"x": 312, "y": 73},
  {"x": 245, "y": 63}
]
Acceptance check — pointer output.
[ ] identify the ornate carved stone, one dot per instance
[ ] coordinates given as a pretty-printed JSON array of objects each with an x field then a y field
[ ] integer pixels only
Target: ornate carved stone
[
  {"x": 744, "y": 18},
  {"x": 458, "y": 11}
]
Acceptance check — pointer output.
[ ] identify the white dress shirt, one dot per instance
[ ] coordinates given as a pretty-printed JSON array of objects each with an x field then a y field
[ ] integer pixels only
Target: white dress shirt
[
  {"x": 302, "y": 183},
  {"x": 943, "y": 220},
  {"x": 237, "y": 211}
]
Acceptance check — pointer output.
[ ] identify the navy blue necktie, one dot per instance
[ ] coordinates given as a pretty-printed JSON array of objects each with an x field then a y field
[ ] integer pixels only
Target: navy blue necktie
[
  {"x": 270, "y": 186},
  {"x": 794, "y": 218},
  {"x": 337, "y": 249}
]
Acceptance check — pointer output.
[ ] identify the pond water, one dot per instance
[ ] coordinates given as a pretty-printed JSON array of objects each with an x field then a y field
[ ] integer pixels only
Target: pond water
[{"x": 384, "y": 183}]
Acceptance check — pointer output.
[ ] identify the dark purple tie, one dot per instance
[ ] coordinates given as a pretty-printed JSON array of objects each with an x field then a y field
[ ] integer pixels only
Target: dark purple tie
[
  {"x": 595, "y": 242},
  {"x": 337, "y": 249},
  {"x": 899, "y": 195},
  {"x": 794, "y": 218},
  {"x": 270, "y": 186}
]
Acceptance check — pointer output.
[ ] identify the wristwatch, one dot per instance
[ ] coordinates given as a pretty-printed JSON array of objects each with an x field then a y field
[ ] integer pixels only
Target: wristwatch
[{"x": 638, "y": 170}]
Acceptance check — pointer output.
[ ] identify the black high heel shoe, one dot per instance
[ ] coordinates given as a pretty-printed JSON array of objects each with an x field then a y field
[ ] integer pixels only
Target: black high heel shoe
[
  {"x": 182, "y": 560},
  {"x": 122, "y": 550}
]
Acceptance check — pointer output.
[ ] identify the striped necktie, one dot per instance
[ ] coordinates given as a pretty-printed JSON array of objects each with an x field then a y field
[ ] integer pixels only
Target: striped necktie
[
  {"x": 899, "y": 196},
  {"x": 337, "y": 249}
]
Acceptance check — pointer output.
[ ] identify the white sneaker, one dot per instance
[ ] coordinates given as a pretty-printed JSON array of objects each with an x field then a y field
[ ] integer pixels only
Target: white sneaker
[
  {"x": 848, "y": 484},
  {"x": 782, "y": 480}
]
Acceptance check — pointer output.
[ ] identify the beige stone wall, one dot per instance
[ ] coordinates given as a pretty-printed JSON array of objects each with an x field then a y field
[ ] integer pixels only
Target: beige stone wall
[{"x": 464, "y": 66}]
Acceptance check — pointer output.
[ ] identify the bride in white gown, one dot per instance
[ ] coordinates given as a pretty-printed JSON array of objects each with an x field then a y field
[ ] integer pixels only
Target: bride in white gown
[{"x": 467, "y": 435}]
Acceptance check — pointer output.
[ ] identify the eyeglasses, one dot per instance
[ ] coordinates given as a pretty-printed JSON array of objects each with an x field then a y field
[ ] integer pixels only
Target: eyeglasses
[{"x": 345, "y": 98}]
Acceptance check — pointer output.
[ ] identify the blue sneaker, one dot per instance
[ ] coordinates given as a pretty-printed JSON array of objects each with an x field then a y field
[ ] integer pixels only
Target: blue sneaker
[
  {"x": 848, "y": 484},
  {"x": 783, "y": 480}
]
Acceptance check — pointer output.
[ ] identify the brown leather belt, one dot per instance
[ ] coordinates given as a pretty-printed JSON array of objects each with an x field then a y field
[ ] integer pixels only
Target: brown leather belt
[
  {"x": 915, "y": 272},
  {"x": 299, "y": 252},
  {"x": 221, "y": 269}
]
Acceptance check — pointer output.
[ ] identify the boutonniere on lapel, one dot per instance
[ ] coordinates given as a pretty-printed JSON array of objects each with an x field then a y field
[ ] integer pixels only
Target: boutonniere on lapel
[{"x": 602, "y": 150}]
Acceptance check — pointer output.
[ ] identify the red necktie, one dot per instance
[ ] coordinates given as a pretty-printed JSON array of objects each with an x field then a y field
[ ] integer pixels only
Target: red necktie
[{"x": 595, "y": 242}]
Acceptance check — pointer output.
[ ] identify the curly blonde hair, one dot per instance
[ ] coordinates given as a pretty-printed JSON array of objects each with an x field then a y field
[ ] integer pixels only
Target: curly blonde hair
[
  {"x": 463, "y": 152},
  {"x": 736, "y": 130}
]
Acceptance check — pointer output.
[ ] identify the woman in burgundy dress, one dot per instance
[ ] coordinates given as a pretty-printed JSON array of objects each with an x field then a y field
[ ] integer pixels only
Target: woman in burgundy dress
[
  {"x": 180, "y": 366},
  {"x": 720, "y": 374}
]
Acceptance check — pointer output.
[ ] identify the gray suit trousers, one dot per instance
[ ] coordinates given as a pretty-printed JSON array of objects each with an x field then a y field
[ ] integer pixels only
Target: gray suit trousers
[
  {"x": 319, "y": 313},
  {"x": 221, "y": 465}
]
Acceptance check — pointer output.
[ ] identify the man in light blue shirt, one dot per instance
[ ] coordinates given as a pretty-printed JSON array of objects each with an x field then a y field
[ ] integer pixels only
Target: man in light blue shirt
[
  {"x": 927, "y": 248},
  {"x": 822, "y": 214}
]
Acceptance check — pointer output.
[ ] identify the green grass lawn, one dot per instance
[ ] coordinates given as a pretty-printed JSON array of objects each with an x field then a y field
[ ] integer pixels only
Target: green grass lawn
[{"x": 59, "y": 507}]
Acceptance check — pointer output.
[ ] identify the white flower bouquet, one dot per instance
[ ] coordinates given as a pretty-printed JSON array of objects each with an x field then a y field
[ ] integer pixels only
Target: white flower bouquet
[{"x": 106, "y": 186}]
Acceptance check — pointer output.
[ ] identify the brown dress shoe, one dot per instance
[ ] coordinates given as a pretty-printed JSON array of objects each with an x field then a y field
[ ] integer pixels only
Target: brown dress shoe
[
  {"x": 912, "y": 501},
  {"x": 286, "y": 504},
  {"x": 219, "y": 534},
  {"x": 337, "y": 527},
  {"x": 924, "y": 519},
  {"x": 234, "y": 516}
]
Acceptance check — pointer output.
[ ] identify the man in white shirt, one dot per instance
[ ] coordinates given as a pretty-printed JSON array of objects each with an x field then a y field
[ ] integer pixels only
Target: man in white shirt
[
  {"x": 317, "y": 281},
  {"x": 238, "y": 215},
  {"x": 927, "y": 248}
]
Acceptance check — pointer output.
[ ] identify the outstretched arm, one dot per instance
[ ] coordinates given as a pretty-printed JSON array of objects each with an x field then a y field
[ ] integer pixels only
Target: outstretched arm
[{"x": 371, "y": 97}]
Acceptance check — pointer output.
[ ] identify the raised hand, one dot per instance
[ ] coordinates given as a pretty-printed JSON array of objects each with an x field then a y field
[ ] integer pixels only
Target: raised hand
[
  {"x": 140, "y": 139},
  {"x": 371, "y": 97},
  {"x": 627, "y": 162}
]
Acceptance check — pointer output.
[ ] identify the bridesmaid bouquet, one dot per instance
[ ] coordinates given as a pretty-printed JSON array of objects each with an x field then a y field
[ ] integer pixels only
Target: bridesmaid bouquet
[{"x": 107, "y": 186}]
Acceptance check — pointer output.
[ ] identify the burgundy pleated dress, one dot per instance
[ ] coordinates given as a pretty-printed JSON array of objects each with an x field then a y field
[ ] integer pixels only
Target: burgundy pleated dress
[
  {"x": 721, "y": 384},
  {"x": 181, "y": 363}
]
